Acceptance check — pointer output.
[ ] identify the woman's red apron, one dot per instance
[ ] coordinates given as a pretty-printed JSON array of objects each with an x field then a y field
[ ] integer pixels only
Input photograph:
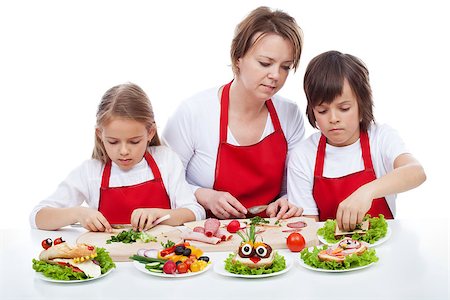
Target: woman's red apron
[
  {"x": 252, "y": 174},
  {"x": 329, "y": 192},
  {"x": 117, "y": 203}
]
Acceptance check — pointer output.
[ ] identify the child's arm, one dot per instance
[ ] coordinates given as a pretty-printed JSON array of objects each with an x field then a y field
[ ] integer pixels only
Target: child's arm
[
  {"x": 408, "y": 173},
  {"x": 52, "y": 218},
  {"x": 142, "y": 218}
]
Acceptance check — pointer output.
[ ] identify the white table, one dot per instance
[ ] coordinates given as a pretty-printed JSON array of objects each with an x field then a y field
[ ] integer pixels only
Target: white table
[{"x": 414, "y": 264}]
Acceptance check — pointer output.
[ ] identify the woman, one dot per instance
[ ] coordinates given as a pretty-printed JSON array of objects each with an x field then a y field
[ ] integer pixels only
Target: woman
[{"x": 234, "y": 140}]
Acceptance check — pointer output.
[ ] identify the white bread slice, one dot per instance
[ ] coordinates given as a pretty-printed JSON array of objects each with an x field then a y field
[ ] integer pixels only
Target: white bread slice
[
  {"x": 341, "y": 253},
  {"x": 63, "y": 250},
  {"x": 88, "y": 267},
  {"x": 264, "y": 262},
  {"x": 363, "y": 228}
]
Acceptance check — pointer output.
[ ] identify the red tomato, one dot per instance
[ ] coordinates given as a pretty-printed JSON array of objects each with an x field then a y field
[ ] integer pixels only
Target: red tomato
[
  {"x": 233, "y": 226},
  {"x": 58, "y": 241},
  {"x": 295, "y": 242},
  {"x": 182, "y": 268},
  {"x": 47, "y": 243}
]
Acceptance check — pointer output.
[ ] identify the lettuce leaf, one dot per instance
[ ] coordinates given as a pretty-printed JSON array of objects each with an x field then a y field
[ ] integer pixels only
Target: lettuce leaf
[
  {"x": 60, "y": 272},
  {"x": 352, "y": 261},
  {"x": 377, "y": 230},
  {"x": 279, "y": 263}
]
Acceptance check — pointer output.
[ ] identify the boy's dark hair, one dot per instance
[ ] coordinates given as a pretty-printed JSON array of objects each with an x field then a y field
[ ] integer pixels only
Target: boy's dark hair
[{"x": 324, "y": 81}]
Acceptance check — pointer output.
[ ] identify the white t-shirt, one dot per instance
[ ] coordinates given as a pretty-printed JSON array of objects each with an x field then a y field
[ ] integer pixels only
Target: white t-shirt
[
  {"x": 83, "y": 183},
  {"x": 385, "y": 146},
  {"x": 193, "y": 133}
]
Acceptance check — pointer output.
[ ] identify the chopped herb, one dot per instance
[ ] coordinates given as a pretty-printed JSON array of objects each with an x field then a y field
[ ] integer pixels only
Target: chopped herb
[
  {"x": 131, "y": 236},
  {"x": 168, "y": 244},
  {"x": 258, "y": 220}
]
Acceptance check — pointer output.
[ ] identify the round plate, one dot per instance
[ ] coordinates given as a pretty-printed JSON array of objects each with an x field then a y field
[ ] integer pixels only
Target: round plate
[
  {"x": 45, "y": 278},
  {"x": 302, "y": 263},
  {"x": 377, "y": 243},
  {"x": 219, "y": 268},
  {"x": 141, "y": 267}
]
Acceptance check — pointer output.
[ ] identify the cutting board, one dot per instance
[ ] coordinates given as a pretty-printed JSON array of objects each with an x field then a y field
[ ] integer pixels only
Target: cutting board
[
  {"x": 271, "y": 234},
  {"x": 121, "y": 251}
]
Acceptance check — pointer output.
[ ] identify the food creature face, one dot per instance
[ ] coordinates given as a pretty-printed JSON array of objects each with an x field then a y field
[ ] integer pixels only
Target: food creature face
[{"x": 254, "y": 251}]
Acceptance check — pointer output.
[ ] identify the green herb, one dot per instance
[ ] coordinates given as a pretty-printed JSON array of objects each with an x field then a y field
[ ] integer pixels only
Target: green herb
[
  {"x": 279, "y": 264},
  {"x": 131, "y": 236},
  {"x": 258, "y": 220},
  {"x": 168, "y": 244},
  {"x": 377, "y": 230},
  {"x": 351, "y": 261}
]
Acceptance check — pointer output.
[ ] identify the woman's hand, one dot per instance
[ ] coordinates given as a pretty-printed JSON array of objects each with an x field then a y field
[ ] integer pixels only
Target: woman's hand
[
  {"x": 222, "y": 204},
  {"x": 283, "y": 209},
  {"x": 142, "y": 218},
  {"x": 352, "y": 210},
  {"x": 92, "y": 219}
]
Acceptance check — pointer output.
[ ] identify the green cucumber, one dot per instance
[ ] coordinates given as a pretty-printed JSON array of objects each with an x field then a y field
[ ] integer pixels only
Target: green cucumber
[
  {"x": 155, "y": 270},
  {"x": 153, "y": 264}
]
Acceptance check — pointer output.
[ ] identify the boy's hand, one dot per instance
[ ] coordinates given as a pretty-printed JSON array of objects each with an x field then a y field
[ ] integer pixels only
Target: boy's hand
[
  {"x": 352, "y": 210},
  {"x": 93, "y": 220}
]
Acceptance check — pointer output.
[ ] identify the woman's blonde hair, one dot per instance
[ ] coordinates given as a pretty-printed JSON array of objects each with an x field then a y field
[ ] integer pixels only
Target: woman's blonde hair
[
  {"x": 126, "y": 101},
  {"x": 264, "y": 21}
]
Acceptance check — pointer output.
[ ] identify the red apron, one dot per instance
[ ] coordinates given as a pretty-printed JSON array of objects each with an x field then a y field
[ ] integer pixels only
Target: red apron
[
  {"x": 329, "y": 192},
  {"x": 252, "y": 174},
  {"x": 117, "y": 203}
]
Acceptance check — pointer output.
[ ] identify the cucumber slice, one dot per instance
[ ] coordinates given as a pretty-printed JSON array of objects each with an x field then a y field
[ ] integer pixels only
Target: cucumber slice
[
  {"x": 155, "y": 270},
  {"x": 153, "y": 264}
]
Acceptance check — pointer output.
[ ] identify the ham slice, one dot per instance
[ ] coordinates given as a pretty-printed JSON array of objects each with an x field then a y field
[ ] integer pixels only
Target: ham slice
[
  {"x": 211, "y": 226},
  {"x": 299, "y": 224},
  {"x": 199, "y": 229},
  {"x": 222, "y": 234},
  {"x": 199, "y": 237}
]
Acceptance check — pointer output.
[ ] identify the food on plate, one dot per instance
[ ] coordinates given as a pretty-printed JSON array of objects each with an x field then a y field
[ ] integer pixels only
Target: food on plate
[
  {"x": 361, "y": 228},
  {"x": 177, "y": 259},
  {"x": 131, "y": 236},
  {"x": 295, "y": 242},
  {"x": 377, "y": 229},
  {"x": 210, "y": 233},
  {"x": 60, "y": 261},
  {"x": 254, "y": 257},
  {"x": 343, "y": 255}
]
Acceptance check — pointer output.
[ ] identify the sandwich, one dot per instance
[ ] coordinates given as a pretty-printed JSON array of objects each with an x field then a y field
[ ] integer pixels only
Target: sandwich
[
  {"x": 61, "y": 261},
  {"x": 341, "y": 250},
  {"x": 252, "y": 253},
  {"x": 360, "y": 229}
]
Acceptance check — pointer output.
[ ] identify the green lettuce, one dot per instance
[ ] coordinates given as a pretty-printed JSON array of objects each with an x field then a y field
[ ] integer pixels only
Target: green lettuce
[
  {"x": 377, "y": 230},
  {"x": 279, "y": 263},
  {"x": 352, "y": 261},
  {"x": 60, "y": 272}
]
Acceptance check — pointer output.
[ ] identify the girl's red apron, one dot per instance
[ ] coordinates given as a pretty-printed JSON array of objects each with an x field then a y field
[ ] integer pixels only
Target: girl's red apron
[
  {"x": 329, "y": 192},
  {"x": 252, "y": 174},
  {"x": 117, "y": 203}
]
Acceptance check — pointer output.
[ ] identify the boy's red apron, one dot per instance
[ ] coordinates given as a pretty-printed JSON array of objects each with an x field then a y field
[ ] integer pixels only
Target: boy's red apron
[
  {"x": 252, "y": 174},
  {"x": 117, "y": 203},
  {"x": 329, "y": 192}
]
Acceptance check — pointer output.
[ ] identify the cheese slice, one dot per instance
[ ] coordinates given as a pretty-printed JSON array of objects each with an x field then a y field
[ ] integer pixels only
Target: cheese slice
[
  {"x": 88, "y": 267},
  {"x": 363, "y": 228}
]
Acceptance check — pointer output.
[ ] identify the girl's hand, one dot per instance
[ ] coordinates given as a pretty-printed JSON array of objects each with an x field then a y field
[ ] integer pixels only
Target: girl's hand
[
  {"x": 352, "y": 210},
  {"x": 222, "y": 204},
  {"x": 142, "y": 218},
  {"x": 283, "y": 209},
  {"x": 93, "y": 220}
]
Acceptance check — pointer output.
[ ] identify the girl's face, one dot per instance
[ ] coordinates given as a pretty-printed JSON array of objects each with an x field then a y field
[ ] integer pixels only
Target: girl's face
[
  {"x": 264, "y": 68},
  {"x": 125, "y": 141},
  {"x": 339, "y": 120}
]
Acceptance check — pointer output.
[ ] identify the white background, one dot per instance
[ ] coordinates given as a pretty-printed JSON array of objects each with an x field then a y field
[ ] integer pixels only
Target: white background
[{"x": 57, "y": 58}]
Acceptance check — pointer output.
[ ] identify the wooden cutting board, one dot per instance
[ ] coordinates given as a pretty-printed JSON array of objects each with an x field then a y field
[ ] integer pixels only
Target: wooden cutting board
[
  {"x": 271, "y": 234},
  {"x": 121, "y": 251}
]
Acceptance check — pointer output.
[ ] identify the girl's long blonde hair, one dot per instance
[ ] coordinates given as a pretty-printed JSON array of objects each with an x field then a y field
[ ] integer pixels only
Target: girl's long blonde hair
[{"x": 127, "y": 101}]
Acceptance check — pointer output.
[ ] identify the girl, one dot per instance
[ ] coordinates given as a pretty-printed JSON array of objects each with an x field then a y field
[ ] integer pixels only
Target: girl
[
  {"x": 353, "y": 166},
  {"x": 130, "y": 179},
  {"x": 233, "y": 139}
]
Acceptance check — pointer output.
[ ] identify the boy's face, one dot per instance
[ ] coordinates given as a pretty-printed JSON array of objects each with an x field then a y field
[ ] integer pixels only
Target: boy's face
[
  {"x": 339, "y": 120},
  {"x": 125, "y": 141}
]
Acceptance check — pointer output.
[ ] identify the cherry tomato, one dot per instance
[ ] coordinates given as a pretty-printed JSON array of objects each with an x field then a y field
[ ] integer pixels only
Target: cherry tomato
[
  {"x": 295, "y": 242},
  {"x": 233, "y": 226},
  {"x": 182, "y": 268},
  {"x": 47, "y": 243},
  {"x": 58, "y": 241}
]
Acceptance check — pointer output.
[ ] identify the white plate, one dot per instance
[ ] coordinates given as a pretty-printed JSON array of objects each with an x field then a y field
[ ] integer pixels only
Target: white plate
[
  {"x": 302, "y": 263},
  {"x": 141, "y": 267},
  {"x": 41, "y": 276},
  {"x": 219, "y": 268},
  {"x": 377, "y": 243}
]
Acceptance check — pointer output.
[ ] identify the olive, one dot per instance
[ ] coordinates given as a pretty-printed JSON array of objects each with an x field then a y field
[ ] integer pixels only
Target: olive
[
  {"x": 179, "y": 250},
  {"x": 187, "y": 252},
  {"x": 178, "y": 262},
  {"x": 205, "y": 258}
]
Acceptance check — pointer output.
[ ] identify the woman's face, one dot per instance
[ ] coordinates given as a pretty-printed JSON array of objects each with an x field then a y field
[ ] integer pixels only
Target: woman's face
[{"x": 264, "y": 68}]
